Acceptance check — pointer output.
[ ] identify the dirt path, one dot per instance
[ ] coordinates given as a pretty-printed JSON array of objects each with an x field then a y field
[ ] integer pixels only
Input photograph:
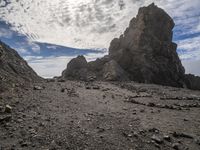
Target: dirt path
[{"x": 106, "y": 116}]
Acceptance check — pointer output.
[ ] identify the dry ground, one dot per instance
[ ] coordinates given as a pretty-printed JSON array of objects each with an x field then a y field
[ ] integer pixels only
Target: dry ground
[{"x": 75, "y": 115}]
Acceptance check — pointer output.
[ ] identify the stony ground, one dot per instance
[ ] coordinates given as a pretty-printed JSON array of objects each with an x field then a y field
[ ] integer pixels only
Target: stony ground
[{"x": 99, "y": 116}]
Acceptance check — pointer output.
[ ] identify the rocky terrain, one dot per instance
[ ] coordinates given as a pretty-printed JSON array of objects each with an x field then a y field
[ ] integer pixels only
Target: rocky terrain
[
  {"x": 14, "y": 71},
  {"x": 99, "y": 115},
  {"x": 102, "y": 108},
  {"x": 144, "y": 53}
]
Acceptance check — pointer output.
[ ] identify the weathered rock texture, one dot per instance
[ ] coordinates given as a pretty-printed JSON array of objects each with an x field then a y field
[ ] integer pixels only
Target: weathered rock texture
[
  {"x": 192, "y": 82},
  {"x": 144, "y": 53},
  {"x": 13, "y": 69},
  {"x": 146, "y": 50}
]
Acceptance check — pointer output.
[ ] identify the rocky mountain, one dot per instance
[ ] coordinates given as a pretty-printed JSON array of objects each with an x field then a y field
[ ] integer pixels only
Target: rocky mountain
[
  {"x": 144, "y": 53},
  {"x": 13, "y": 69}
]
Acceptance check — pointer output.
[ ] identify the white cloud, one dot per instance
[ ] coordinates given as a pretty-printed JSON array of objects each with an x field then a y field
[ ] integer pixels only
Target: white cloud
[
  {"x": 190, "y": 48},
  {"x": 48, "y": 67},
  {"x": 192, "y": 66},
  {"x": 5, "y": 33},
  {"x": 27, "y": 47},
  {"x": 86, "y": 23},
  {"x": 91, "y": 24}
]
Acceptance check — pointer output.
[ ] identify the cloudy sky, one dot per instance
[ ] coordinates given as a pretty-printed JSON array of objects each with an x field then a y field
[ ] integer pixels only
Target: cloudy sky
[{"x": 48, "y": 33}]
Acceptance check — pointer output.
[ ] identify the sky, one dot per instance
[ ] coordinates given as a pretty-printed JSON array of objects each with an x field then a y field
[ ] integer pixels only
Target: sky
[{"x": 49, "y": 33}]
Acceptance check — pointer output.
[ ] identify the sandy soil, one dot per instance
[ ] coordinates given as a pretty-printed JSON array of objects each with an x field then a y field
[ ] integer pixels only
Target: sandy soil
[{"x": 75, "y": 115}]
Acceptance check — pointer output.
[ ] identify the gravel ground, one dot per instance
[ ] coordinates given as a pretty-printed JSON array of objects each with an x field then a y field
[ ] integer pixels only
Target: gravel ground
[{"x": 76, "y": 115}]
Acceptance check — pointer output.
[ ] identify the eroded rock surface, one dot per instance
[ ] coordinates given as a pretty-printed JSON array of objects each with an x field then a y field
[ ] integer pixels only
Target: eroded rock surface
[{"x": 144, "y": 53}]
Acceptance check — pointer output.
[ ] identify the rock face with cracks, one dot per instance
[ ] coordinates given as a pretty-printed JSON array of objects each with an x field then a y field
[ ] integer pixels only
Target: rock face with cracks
[{"x": 144, "y": 53}]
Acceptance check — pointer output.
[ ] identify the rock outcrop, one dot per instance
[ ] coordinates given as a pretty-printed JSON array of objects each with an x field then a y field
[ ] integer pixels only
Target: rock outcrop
[
  {"x": 146, "y": 50},
  {"x": 13, "y": 69},
  {"x": 192, "y": 82},
  {"x": 76, "y": 69},
  {"x": 144, "y": 53}
]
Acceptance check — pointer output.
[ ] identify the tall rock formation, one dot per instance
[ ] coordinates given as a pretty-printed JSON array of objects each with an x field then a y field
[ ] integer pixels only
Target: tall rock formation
[
  {"x": 13, "y": 69},
  {"x": 144, "y": 53},
  {"x": 146, "y": 50}
]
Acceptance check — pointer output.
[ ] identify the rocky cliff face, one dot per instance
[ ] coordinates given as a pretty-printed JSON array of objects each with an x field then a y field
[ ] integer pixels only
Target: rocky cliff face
[
  {"x": 146, "y": 50},
  {"x": 144, "y": 53},
  {"x": 13, "y": 69}
]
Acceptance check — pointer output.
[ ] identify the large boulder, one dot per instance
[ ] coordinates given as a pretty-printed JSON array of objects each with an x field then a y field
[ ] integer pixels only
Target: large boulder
[
  {"x": 76, "y": 69},
  {"x": 146, "y": 50},
  {"x": 13, "y": 68}
]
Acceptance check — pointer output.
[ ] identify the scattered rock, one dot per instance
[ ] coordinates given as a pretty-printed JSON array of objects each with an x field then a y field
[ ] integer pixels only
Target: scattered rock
[
  {"x": 151, "y": 104},
  {"x": 1, "y": 109},
  {"x": 142, "y": 110},
  {"x": 5, "y": 118},
  {"x": 61, "y": 80},
  {"x": 88, "y": 87},
  {"x": 184, "y": 135},
  {"x": 197, "y": 141},
  {"x": 154, "y": 130},
  {"x": 167, "y": 138},
  {"x": 37, "y": 88},
  {"x": 157, "y": 139},
  {"x": 96, "y": 87},
  {"x": 100, "y": 130},
  {"x": 62, "y": 90},
  {"x": 8, "y": 109},
  {"x": 176, "y": 146}
]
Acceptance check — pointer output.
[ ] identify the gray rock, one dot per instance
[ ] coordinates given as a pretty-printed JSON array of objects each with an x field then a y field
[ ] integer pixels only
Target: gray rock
[
  {"x": 157, "y": 139},
  {"x": 113, "y": 72},
  {"x": 1, "y": 109},
  {"x": 62, "y": 90},
  {"x": 5, "y": 118},
  {"x": 38, "y": 88},
  {"x": 167, "y": 138},
  {"x": 13, "y": 69},
  {"x": 146, "y": 50},
  {"x": 197, "y": 141},
  {"x": 76, "y": 69},
  {"x": 176, "y": 146},
  {"x": 8, "y": 109}
]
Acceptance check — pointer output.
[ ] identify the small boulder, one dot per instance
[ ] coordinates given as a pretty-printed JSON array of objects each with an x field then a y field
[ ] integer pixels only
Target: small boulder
[
  {"x": 176, "y": 146},
  {"x": 5, "y": 118},
  {"x": 8, "y": 109},
  {"x": 167, "y": 138},
  {"x": 37, "y": 88},
  {"x": 157, "y": 139}
]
